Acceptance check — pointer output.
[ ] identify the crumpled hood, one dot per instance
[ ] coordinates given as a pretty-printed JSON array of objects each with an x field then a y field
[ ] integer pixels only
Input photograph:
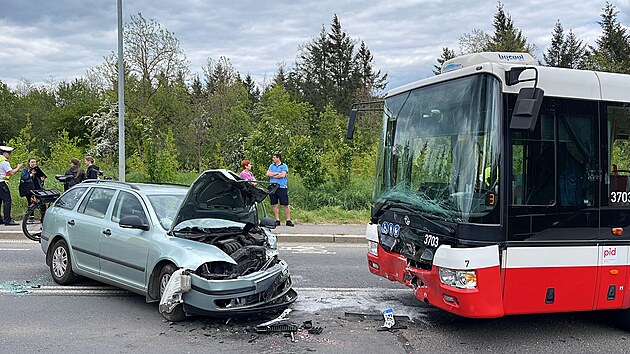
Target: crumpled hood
[{"x": 221, "y": 194}]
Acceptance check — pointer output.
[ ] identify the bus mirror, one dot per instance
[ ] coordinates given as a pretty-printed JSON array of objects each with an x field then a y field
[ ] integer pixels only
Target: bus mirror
[
  {"x": 526, "y": 109},
  {"x": 351, "y": 122}
]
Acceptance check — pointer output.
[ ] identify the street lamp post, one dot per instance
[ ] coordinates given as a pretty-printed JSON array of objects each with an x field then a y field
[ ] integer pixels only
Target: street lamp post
[{"x": 121, "y": 98}]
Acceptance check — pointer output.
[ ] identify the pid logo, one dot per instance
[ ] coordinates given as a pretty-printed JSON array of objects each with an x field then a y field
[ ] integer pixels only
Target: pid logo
[{"x": 610, "y": 255}]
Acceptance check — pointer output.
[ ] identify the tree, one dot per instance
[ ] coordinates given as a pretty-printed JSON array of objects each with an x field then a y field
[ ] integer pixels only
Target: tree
[
  {"x": 553, "y": 56},
  {"x": 564, "y": 51},
  {"x": 331, "y": 69},
  {"x": 612, "y": 50},
  {"x": 506, "y": 37},
  {"x": 474, "y": 42},
  {"x": 447, "y": 54},
  {"x": 9, "y": 120}
]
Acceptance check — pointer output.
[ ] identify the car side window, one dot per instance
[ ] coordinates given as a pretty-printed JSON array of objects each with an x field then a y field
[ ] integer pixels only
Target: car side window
[
  {"x": 97, "y": 202},
  {"x": 127, "y": 204},
  {"x": 70, "y": 199}
]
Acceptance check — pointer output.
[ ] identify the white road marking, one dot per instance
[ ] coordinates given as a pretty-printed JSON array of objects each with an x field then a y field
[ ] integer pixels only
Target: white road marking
[
  {"x": 301, "y": 249},
  {"x": 15, "y": 249},
  {"x": 19, "y": 241}
]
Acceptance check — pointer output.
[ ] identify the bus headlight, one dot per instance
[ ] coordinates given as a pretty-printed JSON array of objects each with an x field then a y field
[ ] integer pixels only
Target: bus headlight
[
  {"x": 373, "y": 248},
  {"x": 463, "y": 279}
]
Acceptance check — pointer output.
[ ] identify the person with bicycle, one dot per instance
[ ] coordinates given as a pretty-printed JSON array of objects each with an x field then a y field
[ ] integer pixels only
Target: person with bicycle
[
  {"x": 32, "y": 179},
  {"x": 92, "y": 170},
  {"x": 5, "y": 172}
]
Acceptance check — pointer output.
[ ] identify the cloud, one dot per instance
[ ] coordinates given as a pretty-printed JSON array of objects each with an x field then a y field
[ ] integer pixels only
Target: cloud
[{"x": 65, "y": 38}]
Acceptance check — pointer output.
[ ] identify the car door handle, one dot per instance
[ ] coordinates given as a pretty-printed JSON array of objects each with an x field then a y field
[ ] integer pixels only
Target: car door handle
[
  {"x": 107, "y": 232},
  {"x": 71, "y": 222}
]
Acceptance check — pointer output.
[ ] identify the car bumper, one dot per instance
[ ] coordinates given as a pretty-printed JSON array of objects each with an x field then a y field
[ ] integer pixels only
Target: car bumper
[{"x": 259, "y": 291}]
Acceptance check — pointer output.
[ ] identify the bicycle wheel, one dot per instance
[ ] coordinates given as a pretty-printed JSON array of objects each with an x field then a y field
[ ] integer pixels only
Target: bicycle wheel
[{"x": 32, "y": 223}]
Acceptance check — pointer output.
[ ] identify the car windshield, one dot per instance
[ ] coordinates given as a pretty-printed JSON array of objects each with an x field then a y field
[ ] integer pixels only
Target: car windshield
[
  {"x": 166, "y": 207},
  {"x": 440, "y": 150}
]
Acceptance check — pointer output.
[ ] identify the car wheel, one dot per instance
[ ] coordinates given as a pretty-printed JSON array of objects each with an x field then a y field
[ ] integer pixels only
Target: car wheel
[
  {"x": 61, "y": 264},
  {"x": 177, "y": 314}
]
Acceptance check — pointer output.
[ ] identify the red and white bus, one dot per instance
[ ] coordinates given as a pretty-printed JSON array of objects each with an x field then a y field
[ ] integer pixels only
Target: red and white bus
[{"x": 502, "y": 188}]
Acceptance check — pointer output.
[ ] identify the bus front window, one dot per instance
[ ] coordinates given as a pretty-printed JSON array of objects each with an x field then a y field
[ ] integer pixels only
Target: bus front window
[{"x": 440, "y": 150}]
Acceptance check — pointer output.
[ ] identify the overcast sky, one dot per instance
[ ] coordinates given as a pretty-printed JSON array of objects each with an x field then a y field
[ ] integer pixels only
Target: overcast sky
[{"x": 62, "y": 39}]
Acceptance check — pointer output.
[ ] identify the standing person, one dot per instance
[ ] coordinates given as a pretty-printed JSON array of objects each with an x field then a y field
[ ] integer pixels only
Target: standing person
[
  {"x": 5, "y": 172},
  {"x": 247, "y": 174},
  {"x": 277, "y": 173},
  {"x": 78, "y": 175},
  {"x": 32, "y": 178},
  {"x": 92, "y": 169}
]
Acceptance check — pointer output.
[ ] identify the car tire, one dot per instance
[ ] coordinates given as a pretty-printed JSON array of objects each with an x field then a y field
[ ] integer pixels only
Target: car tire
[
  {"x": 177, "y": 314},
  {"x": 61, "y": 264}
]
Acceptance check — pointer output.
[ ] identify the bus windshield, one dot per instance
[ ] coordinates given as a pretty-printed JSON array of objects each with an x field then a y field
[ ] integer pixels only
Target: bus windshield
[{"x": 440, "y": 151}]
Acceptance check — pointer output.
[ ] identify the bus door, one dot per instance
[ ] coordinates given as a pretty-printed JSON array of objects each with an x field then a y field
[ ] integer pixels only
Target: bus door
[
  {"x": 551, "y": 260},
  {"x": 614, "y": 230}
]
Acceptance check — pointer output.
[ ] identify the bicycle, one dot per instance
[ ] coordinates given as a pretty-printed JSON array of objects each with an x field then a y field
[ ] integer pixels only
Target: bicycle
[{"x": 33, "y": 218}]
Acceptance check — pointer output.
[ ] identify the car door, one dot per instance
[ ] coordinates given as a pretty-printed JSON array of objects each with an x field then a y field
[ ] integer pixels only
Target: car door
[
  {"x": 124, "y": 251},
  {"x": 64, "y": 220},
  {"x": 86, "y": 226}
]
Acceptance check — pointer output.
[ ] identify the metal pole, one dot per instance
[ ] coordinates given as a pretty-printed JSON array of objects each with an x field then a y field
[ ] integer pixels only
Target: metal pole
[{"x": 121, "y": 98}]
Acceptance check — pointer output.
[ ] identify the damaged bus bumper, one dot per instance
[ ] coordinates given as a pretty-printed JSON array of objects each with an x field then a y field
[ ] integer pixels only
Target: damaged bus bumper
[
  {"x": 255, "y": 292},
  {"x": 483, "y": 301}
]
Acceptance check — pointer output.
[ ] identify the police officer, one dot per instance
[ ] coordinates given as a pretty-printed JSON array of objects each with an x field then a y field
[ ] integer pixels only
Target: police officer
[{"x": 5, "y": 172}]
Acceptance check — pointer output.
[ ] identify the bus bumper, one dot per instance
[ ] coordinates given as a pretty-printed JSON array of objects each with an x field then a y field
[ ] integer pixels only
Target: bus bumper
[{"x": 484, "y": 301}]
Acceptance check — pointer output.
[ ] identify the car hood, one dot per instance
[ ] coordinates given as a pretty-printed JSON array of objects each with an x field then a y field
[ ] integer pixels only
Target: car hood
[{"x": 221, "y": 194}]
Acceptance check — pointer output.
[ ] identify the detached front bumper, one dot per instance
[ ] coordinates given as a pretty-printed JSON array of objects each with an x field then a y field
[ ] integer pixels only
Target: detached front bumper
[{"x": 259, "y": 291}]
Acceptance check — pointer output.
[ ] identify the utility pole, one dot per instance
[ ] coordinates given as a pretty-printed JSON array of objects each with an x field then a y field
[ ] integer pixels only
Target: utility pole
[{"x": 121, "y": 98}]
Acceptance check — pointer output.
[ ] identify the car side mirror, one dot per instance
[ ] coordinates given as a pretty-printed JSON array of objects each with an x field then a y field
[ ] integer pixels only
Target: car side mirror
[
  {"x": 268, "y": 222},
  {"x": 133, "y": 222}
]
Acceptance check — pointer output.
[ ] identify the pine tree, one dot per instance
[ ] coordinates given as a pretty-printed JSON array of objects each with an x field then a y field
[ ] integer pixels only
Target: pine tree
[
  {"x": 612, "y": 51},
  {"x": 506, "y": 37},
  {"x": 447, "y": 54},
  {"x": 553, "y": 56},
  {"x": 573, "y": 52}
]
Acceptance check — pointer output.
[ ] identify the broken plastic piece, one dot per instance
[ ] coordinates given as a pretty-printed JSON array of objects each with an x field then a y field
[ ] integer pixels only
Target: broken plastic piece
[
  {"x": 389, "y": 318},
  {"x": 308, "y": 324},
  {"x": 179, "y": 283},
  {"x": 280, "y": 326},
  {"x": 315, "y": 330},
  {"x": 392, "y": 328}
]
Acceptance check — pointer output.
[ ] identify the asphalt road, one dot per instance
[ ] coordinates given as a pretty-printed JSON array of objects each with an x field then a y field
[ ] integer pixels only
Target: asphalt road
[{"x": 331, "y": 279}]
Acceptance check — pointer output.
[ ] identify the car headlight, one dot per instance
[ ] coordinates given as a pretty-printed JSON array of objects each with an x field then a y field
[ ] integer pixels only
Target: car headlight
[
  {"x": 463, "y": 279},
  {"x": 373, "y": 248}
]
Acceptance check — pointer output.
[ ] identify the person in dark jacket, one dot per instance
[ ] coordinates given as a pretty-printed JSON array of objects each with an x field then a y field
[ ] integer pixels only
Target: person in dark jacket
[
  {"x": 92, "y": 169},
  {"x": 75, "y": 173},
  {"x": 32, "y": 178}
]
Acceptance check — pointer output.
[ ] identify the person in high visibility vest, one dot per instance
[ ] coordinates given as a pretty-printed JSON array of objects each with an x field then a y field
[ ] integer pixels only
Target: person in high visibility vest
[{"x": 5, "y": 172}]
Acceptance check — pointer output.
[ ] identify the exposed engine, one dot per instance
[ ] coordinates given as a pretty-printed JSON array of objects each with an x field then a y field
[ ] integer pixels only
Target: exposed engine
[{"x": 247, "y": 246}]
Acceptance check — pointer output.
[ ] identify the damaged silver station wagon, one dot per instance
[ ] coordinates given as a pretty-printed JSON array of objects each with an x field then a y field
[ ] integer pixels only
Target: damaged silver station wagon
[{"x": 198, "y": 250}]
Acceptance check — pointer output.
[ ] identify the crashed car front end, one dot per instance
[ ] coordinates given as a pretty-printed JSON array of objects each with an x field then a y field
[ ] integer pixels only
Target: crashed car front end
[
  {"x": 247, "y": 277},
  {"x": 242, "y": 272}
]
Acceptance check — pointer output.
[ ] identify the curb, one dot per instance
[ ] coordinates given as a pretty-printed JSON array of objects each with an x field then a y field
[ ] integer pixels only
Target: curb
[{"x": 320, "y": 238}]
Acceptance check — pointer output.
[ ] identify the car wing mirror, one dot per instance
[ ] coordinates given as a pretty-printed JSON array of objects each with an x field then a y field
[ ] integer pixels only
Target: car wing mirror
[
  {"x": 268, "y": 222},
  {"x": 133, "y": 222}
]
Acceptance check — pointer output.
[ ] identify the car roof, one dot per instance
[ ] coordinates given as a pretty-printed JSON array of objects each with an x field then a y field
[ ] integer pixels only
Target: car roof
[{"x": 145, "y": 188}]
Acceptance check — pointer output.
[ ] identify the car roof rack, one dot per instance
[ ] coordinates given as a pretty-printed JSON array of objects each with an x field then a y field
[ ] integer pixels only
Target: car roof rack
[{"x": 132, "y": 186}]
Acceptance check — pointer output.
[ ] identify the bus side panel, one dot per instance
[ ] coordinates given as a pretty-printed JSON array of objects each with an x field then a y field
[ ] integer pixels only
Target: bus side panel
[
  {"x": 550, "y": 279},
  {"x": 613, "y": 262}
]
